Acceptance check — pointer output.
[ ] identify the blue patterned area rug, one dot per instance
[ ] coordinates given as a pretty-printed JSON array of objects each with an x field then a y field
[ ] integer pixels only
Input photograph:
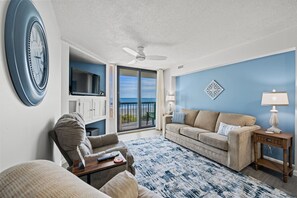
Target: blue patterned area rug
[{"x": 174, "y": 171}]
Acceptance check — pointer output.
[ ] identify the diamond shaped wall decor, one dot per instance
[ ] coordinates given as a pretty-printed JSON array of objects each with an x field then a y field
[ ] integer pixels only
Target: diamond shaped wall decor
[{"x": 213, "y": 89}]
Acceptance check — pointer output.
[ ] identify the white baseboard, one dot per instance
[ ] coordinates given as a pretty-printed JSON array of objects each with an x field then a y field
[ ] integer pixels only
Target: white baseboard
[{"x": 279, "y": 161}]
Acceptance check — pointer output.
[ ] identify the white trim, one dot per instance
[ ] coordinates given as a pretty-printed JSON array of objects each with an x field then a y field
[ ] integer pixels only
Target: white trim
[
  {"x": 232, "y": 62},
  {"x": 137, "y": 130},
  {"x": 295, "y": 171}
]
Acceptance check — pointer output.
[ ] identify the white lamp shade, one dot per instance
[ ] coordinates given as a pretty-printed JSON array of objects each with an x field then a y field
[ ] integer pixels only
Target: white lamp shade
[
  {"x": 170, "y": 98},
  {"x": 275, "y": 99}
]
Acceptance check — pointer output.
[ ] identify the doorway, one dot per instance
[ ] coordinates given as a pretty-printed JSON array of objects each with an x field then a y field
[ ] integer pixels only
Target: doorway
[{"x": 136, "y": 98}]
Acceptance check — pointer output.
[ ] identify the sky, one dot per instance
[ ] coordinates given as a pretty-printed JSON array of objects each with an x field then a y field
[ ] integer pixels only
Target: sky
[{"x": 128, "y": 87}]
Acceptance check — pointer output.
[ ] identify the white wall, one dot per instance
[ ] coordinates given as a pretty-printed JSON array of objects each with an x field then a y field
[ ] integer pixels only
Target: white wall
[
  {"x": 280, "y": 42},
  {"x": 24, "y": 130}
]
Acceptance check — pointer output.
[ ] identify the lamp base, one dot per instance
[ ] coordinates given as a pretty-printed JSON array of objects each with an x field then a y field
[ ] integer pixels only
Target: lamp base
[{"x": 274, "y": 129}]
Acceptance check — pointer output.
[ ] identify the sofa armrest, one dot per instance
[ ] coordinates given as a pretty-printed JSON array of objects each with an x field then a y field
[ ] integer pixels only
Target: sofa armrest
[
  {"x": 166, "y": 120},
  {"x": 103, "y": 140},
  {"x": 240, "y": 147}
]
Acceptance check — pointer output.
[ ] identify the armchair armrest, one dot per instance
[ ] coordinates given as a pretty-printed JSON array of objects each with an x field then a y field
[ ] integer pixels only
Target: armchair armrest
[
  {"x": 240, "y": 149},
  {"x": 103, "y": 140},
  {"x": 95, "y": 155}
]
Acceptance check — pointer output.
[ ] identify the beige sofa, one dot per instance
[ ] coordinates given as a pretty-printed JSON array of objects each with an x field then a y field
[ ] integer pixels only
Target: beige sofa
[
  {"x": 199, "y": 133},
  {"x": 41, "y": 178}
]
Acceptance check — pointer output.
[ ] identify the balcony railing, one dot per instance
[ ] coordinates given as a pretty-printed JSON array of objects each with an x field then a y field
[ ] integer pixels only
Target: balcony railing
[{"x": 129, "y": 119}]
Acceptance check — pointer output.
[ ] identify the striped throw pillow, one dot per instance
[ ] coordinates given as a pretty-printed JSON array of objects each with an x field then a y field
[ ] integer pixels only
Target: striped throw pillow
[{"x": 178, "y": 117}]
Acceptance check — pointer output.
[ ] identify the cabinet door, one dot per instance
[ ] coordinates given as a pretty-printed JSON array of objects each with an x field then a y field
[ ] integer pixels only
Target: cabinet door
[
  {"x": 86, "y": 109},
  {"x": 97, "y": 108}
]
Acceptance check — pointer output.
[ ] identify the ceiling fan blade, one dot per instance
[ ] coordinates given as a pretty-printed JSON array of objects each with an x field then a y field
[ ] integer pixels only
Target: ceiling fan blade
[
  {"x": 156, "y": 57},
  {"x": 130, "y": 51},
  {"x": 132, "y": 62}
]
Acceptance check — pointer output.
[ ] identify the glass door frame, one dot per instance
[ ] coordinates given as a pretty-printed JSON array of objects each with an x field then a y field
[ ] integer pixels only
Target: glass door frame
[{"x": 138, "y": 99}]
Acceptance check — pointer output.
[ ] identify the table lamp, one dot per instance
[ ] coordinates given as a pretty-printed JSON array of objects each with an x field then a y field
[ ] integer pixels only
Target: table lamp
[
  {"x": 274, "y": 99},
  {"x": 170, "y": 98}
]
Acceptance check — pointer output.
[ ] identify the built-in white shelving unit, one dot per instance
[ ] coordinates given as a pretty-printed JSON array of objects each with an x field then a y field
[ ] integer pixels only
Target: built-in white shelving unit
[{"x": 92, "y": 108}]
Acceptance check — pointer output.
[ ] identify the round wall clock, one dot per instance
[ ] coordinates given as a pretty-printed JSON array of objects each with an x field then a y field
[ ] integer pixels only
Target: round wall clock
[{"x": 26, "y": 51}]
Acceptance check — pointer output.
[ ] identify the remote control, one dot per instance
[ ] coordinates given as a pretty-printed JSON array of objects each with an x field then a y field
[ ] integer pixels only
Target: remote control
[{"x": 107, "y": 156}]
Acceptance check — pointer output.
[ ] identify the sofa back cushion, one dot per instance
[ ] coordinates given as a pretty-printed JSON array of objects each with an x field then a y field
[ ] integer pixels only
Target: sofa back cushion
[
  {"x": 206, "y": 120},
  {"x": 190, "y": 116},
  {"x": 235, "y": 119},
  {"x": 41, "y": 178}
]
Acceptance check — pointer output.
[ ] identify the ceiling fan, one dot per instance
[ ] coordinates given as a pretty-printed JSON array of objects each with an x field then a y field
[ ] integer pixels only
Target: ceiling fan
[{"x": 140, "y": 56}]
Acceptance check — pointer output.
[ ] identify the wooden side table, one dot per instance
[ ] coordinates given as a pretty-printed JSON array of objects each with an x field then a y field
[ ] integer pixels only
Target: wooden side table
[
  {"x": 93, "y": 166},
  {"x": 280, "y": 140}
]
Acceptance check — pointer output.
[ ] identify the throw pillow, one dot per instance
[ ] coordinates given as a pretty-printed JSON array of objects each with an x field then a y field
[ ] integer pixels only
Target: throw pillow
[
  {"x": 178, "y": 117},
  {"x": 224, "y": 128},
  {"x": 123, "y": 185}
]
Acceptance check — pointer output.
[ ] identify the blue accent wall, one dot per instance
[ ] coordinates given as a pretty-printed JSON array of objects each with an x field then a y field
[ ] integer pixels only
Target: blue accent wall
[
  {"x": 100, "y": 125},
  {"x": 244, "y": 84},
  {"x": 92, "y": 68}
]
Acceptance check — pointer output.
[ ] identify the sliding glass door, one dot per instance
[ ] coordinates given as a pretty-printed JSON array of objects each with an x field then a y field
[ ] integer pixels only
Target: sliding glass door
[{"x": 136, "y": 98}]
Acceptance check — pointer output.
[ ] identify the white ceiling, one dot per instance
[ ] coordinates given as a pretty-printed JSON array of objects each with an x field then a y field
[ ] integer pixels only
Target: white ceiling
[{"x": 182, "y": 30}]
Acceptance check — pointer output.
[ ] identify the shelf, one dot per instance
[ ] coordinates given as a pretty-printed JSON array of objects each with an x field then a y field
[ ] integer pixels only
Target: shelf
[
  {"x": 272, "y": 165},
  {"x": 96, "y": 120}
]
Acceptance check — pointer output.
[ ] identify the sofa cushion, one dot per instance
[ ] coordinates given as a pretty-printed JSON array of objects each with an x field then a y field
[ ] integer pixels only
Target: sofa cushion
[
  {"x": 206, "y": 120},
  {"x": 235, "y": 119},
  {"x": 215, "y": 140},
  {"x": 146, "y": 193},
  {"x": 174, "y": 127},
  {"x": 123, "y": 185},
  {"x": 190, "y": 116},
  {"x": 192, "y": 132}
]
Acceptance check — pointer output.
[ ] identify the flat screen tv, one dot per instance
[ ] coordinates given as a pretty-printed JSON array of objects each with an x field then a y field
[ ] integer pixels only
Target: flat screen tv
[{"x": 84, "y": 83}]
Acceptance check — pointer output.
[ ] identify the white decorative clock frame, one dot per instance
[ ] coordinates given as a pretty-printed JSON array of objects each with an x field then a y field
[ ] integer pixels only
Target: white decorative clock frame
[{"x": 213, "y": 89}]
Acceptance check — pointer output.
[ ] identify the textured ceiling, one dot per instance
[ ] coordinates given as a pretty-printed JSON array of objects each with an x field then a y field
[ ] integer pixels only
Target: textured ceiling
[{"x": 182, "y": 30}]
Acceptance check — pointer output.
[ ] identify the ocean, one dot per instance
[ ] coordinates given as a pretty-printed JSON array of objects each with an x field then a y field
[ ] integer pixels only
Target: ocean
[{"x": 133, "y": 100}]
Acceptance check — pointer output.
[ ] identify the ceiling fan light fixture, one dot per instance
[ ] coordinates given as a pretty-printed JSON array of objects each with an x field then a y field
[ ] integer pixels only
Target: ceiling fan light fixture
[{"x": 140, "y": 58}]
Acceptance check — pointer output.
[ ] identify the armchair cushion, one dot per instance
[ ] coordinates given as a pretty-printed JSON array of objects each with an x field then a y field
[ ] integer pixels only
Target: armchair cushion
[
  {"x": 103, "y": 140},
  {"x": 70, "y": 134},
  {"x": 119, "y": 146},
  {"x": 123, "y": 185}
]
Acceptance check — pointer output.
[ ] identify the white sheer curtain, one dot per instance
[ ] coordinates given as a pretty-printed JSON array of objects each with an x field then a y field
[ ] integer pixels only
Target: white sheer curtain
[{"x": 160, "y": 99}]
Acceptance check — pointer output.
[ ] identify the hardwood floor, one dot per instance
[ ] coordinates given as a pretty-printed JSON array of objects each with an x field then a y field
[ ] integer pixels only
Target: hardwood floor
[{"x": 270, "y": 177}]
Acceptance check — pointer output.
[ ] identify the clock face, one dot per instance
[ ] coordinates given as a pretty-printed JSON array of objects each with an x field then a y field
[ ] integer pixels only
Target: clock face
[{"x": 37, "y": 55}]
